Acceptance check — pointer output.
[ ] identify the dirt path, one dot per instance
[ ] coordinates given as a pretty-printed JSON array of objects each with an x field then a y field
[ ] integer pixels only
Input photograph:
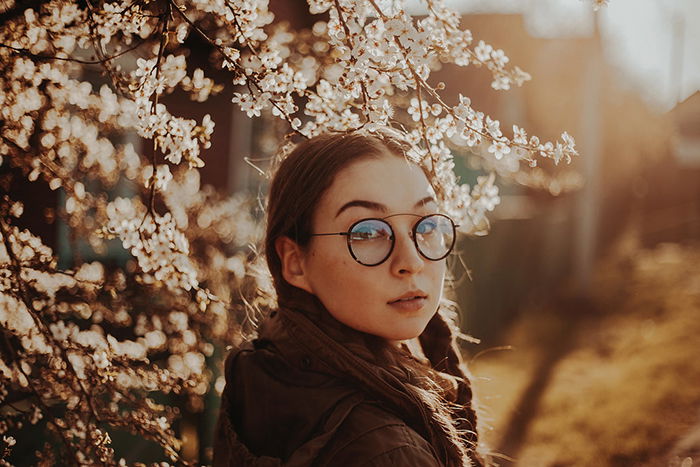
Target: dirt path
[{"x": 615, "y": 382}]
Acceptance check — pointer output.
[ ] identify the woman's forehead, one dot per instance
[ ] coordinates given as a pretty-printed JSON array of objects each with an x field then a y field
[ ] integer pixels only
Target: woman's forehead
[{"x": 388, "y": 180}]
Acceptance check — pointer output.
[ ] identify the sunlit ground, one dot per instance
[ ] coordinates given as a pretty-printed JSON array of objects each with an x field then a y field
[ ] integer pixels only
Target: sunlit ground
[{"x": 611, "y": 381}]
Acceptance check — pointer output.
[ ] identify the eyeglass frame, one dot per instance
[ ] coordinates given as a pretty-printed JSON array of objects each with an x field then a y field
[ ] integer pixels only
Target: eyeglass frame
[{"x": 393, "y": 235}]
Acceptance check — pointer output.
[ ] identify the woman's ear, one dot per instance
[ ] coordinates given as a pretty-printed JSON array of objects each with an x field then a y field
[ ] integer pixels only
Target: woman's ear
[{"x": 292, "y": 259}]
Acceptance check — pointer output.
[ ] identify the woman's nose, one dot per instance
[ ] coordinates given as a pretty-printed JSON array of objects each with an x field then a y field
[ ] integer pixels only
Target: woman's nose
[{"x": 405, "y": 258}]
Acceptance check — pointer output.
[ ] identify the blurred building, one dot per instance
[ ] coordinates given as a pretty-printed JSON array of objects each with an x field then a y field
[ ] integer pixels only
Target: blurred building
[
  {"x": 671, "y": 211},
  {"x": 543, "y": 245},
  {"x": 686, "y": 142}
]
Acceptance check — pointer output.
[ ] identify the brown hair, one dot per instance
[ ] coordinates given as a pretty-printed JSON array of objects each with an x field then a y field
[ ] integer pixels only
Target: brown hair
[{"x": 297, "y": 187}]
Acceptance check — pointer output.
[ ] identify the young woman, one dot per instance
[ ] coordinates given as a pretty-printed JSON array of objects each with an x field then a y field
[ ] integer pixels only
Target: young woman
[{"x": 356, "y": 246}]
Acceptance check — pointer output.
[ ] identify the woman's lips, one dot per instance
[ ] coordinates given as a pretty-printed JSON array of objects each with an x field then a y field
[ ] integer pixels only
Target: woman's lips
[{"x": 413, "y": 304}]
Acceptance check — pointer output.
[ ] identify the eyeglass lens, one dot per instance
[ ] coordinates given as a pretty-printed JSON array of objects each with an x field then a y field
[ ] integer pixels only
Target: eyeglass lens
[{"x": 371, "y": 241}]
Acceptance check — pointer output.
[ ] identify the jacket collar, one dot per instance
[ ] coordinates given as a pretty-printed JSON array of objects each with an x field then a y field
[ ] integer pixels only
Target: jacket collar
[{"x": 305, "y": 332}]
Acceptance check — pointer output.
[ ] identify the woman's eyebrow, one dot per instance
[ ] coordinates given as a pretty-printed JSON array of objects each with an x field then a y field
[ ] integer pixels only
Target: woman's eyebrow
[
  {"x": 424, "y": 201},
  {"x": 378, "y": 206},
  {"x": 362, "y": 204}
]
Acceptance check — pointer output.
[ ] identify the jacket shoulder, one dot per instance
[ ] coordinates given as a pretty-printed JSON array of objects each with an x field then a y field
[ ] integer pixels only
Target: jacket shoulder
[
  {"x": 273, "y": 406},
  {"x": 372, "y": 436}
]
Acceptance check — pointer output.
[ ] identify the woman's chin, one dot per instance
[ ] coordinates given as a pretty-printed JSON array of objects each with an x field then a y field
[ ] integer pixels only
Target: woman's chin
[{"x": 396, "y": 335}]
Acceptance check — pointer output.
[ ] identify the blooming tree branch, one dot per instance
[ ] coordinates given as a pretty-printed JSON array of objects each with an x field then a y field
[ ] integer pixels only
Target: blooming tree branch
[{"x": 85, "y": 350}]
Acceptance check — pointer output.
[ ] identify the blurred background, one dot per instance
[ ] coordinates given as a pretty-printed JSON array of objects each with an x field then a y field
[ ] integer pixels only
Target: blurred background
[{"x": 585, "y": 295}]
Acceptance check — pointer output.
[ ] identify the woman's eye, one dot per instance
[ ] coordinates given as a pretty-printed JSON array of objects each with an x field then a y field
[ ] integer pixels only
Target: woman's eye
[
  {"x": 426, "y": 227},
  {"x": 363, "y": 235},
  {"x": 370, "y": 234}
]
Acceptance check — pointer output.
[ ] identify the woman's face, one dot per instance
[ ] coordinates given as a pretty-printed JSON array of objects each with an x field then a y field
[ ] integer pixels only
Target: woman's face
[{"x": 362, "y": 297}]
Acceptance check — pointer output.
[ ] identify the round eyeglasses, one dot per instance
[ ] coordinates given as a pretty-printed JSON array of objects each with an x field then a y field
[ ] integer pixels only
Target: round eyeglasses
[{"x": 371, "y": 241}]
